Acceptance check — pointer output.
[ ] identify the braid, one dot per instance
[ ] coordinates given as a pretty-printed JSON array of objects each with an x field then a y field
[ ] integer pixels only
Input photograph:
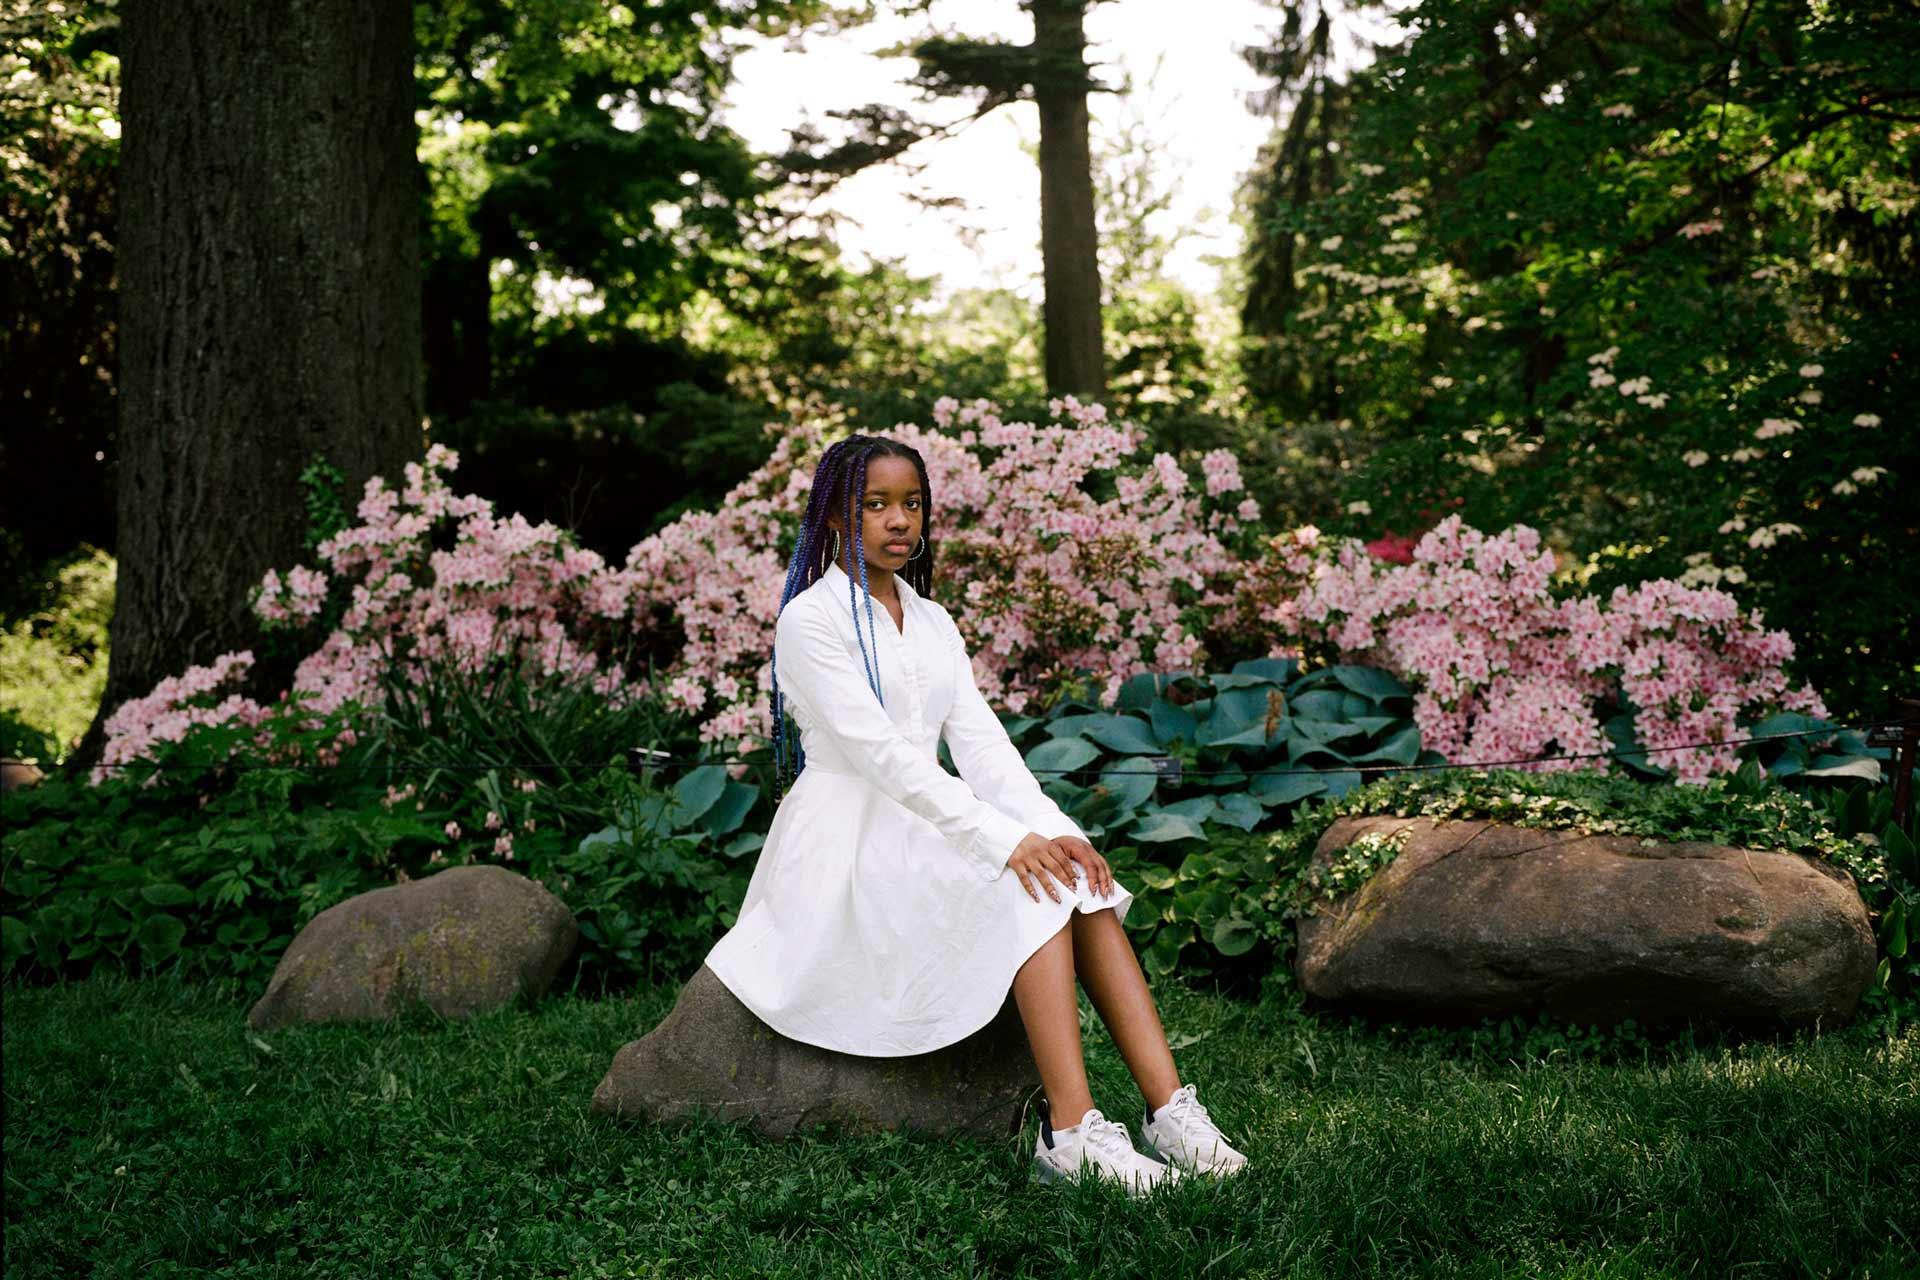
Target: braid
[
  {"x": 842, "y": 477},
  {"x": 871, "y": 660}
]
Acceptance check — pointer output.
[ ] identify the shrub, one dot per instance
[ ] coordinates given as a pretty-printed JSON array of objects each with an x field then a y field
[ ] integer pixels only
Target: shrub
[{"x": 1504, "y": 669}]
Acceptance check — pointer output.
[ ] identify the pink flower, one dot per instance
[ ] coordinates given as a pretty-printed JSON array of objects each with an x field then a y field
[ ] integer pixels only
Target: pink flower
[{"x": 1501, "y": 670}]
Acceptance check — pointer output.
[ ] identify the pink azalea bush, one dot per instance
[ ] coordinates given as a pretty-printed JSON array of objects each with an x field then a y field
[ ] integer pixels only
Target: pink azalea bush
[
  {"x": 505, "y": 588},
  {"x": 175, "y": 706},
  {"x": 1040, "y": 576},
  {"x": 1502, "y": 670},
  {"x": 1043, "y": 578}
]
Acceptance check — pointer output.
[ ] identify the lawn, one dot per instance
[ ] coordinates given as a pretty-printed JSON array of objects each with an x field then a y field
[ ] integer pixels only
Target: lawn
[{"x": 149, "y": 1133}]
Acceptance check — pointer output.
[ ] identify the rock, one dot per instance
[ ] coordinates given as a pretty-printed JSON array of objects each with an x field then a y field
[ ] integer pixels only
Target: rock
[
  {"x": 1476, "y": 919},
  {"x": 461, "y": 941},
  {"x": 711, "y": 1051},
  {"x": 15, "y": 774}
]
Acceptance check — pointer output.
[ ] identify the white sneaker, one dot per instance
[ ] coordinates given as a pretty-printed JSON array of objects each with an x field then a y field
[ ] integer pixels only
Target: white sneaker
[
  {"x": 1096, "y": 1147},
  {"x": 1183, "y": 1134}
]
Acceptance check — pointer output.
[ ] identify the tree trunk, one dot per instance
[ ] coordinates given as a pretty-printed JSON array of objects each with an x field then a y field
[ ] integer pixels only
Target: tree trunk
[
  {"x": 1069, "y": 239},
  {"x": 269, "y": 303}
]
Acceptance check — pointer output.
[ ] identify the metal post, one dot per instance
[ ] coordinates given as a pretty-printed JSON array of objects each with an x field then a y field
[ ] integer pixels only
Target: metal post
[{"x": 1903, "y": 735}]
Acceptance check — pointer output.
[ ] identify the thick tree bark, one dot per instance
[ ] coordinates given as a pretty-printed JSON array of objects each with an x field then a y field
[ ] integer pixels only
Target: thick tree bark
[
  {"x": 269, "y": 302},
  {"x": 1069, "y": 238}
]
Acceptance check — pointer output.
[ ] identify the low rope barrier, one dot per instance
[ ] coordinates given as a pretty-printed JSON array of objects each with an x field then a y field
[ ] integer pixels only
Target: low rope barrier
[{"x": 656, "y": 759}]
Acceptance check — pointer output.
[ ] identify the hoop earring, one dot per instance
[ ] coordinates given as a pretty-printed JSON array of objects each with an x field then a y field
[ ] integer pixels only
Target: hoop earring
[
  {"x": 833, "y": 547},
  {"x": 923, "y": 548}
]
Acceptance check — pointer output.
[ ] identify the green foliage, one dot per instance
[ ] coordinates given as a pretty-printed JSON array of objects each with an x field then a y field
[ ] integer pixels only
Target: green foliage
[
  {"x": 323, "y": 489},
  {"x": 53, "y": 660},
  {"x": 680, "y": 845},
  {"x": 1251, "y": 745},
  {"x": 581, "y": 194},
  {"x": 211, "y": 869},
  {"x": 59, "y": 312},
  {"x": 1567, "y": 268}
]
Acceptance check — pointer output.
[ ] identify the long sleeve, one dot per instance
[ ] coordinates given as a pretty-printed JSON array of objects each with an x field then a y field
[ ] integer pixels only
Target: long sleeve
[
  {"x": 829, "y": 690},
  {"x": 986, "y": 756}
]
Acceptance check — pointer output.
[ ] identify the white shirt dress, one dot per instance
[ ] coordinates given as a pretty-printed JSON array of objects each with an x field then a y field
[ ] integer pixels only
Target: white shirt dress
[{"x": 881, "y": 918}]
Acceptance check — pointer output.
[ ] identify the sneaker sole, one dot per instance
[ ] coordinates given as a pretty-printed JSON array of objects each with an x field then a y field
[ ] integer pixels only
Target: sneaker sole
[
  {"x": 1047, "y": 1175},
  {"x": 1193, "y": 1168}
]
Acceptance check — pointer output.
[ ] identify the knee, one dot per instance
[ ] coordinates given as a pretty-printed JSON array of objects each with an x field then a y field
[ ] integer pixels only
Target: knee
[{"x": 1096, "y": 919}]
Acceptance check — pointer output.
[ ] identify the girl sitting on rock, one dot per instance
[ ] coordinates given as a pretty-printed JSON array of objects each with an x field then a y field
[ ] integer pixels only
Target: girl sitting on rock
[{"x": 881, "y": 919}]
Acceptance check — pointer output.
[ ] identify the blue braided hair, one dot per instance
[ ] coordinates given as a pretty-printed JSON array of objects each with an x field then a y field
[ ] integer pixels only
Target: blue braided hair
[{"x": 840, "y": 483}]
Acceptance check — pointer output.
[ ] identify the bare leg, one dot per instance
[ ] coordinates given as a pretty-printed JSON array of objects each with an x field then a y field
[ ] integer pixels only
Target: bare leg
[
  {"x": 1111, "y": 974},
  {"x": 1043, "y": 989}
]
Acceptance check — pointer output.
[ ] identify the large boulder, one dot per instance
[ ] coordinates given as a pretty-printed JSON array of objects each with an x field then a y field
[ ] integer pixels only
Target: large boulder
[
  {"x": 1478, "y": 918},
  {"x": 711, "y": 1052},
  {"x": 459, "y": 942}
]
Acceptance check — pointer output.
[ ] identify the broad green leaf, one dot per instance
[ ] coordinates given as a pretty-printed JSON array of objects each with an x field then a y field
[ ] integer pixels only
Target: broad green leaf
[
  {"x": 1254, "y": 735},
  {"x": 1162, "y": 826},
  {"x": 743, "y": 843},
  {"x": 1213, "y": 905},
  {"x": 1239, "y": 810},
  {"x": 1901, "y": 853},
  {"x": 1234, "y": 936},
  {"x": 1075, "y": 726},
  {"x": 1199, "y": 808},
  {"x": 1402, "y": 748},
  {"x": 735, "y": 802},
  {"x": 1164, "y": 954},
  {"x": 1317, "y": 731},
  {"x": 160, "y": 936},
  {"x": 1170, "y": 721},
  {"x": 1836, "y": 767},
  {"x": 1341, "y": 781},
  {"x": 1321, "y": 704},
  {"x": 1124, "y": 733},
  {"x": 1061, "y": 753},
  {"x": 1155, "y": 876},
  {"x": 1017, "y": 725},
  {"x": 1245, "y": 704},
  {"x": 1131, "y": 779},
  {"x": 1285, "y": 788},
  {"x": 1278, "y": 670},
  {"x": 1626, "y": 741},
  {"x": 1786, "y": 766},
  {"x": 1371, "y": 681},
  {"x": 167, "y": 894},
  {"x": 1138, "y": 692},
  {"x": 697, "y": 792},
  {"x": 1786, "y": 722},
  {"x": 605, "y": 835},
  {"x": 1305, "y": 751}
]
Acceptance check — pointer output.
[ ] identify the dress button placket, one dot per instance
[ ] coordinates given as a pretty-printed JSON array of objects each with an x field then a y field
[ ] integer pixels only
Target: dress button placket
[{"x": 916, "y": 700}]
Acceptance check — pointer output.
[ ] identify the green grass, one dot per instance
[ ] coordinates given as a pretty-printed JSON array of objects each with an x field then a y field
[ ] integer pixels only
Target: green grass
[{"x": 147, "y": 1133}]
